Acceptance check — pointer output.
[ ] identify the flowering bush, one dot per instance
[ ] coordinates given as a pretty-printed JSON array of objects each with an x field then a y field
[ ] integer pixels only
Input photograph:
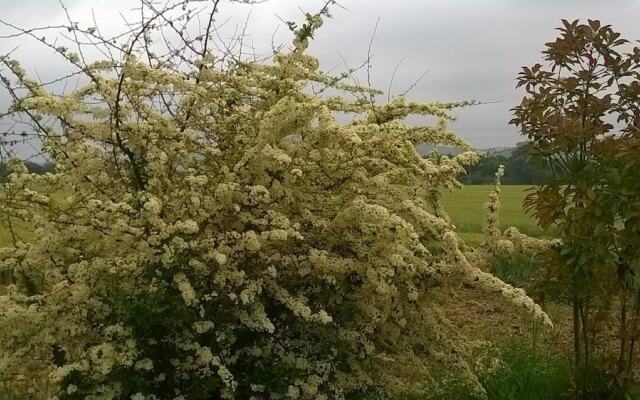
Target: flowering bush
[{"x": 221, "y": 235}]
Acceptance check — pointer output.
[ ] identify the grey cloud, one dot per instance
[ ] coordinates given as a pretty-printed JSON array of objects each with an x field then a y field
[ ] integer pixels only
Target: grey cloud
[{"x": 473, "y": 49}]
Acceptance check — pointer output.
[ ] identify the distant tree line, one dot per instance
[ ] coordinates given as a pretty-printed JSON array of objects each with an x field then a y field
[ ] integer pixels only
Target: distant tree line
[
  {"x": 32, "y": 166},
  {"x": 518, "y": 170}
]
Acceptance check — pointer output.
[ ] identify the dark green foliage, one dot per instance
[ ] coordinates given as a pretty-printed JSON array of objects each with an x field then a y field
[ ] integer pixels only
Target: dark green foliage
[
  {"x": 152, "y": 317},
  {"x": 516, "y": 269},
  {"x": 518, "y": 171}
]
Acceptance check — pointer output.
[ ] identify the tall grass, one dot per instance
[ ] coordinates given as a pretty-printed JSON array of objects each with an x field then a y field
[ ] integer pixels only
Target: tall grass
[
  {"x": 527, "y": 373},
  {"x": 516, "y": 269}
]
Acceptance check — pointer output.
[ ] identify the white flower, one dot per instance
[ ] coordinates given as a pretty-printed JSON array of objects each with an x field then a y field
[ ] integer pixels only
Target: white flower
[
  {"x": 203, "y": 326},
  {"x": 145, "y": 364},
  {"x": 188, "y": 226},
  {"x": 185, "y": 288}
]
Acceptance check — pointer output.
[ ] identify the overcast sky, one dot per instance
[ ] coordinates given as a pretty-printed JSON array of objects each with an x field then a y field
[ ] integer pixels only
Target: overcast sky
[{"x": 472, "y": 49}]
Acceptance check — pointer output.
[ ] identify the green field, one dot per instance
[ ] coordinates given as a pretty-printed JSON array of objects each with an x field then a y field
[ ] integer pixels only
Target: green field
[
  {"x": 5, "y": 233},
  {"x": 465, "y": 206},
  {"x": 5, "y": 237}
]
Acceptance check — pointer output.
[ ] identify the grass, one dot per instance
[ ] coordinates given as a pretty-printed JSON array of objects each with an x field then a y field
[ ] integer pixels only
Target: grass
[
  {"x": 465, "y": 207},
  {"x": 5, "y": 235},
  {"x": 21, "y": 229},
  {"x": 528, "y": 372}
]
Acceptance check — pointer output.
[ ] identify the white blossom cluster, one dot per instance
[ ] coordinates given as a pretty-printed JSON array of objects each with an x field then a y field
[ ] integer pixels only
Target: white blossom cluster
[
  {"x": 511, "y": 240},
  {"x": 242, "y": 244}
]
